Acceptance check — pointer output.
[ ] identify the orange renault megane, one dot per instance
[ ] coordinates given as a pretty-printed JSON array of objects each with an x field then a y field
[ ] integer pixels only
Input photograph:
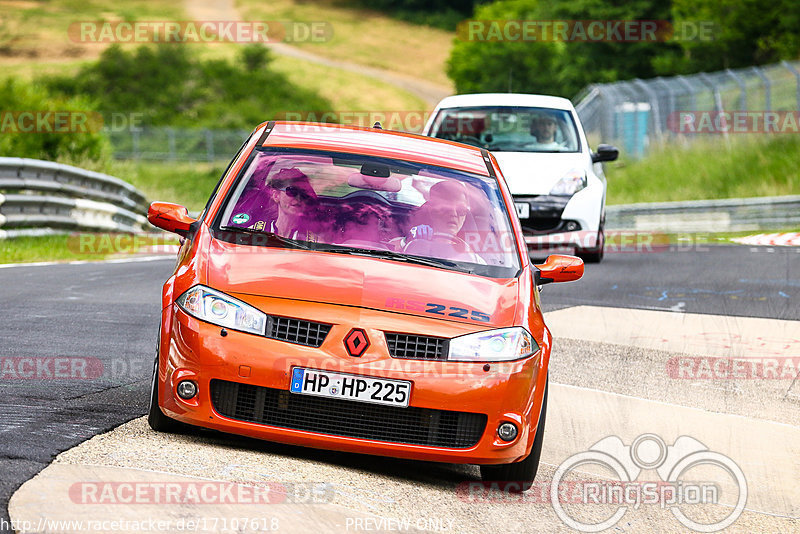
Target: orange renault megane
[{"x": 360, "y": 290}]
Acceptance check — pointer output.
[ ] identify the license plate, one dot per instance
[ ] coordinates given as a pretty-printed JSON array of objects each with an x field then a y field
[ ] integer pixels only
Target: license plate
[
  {"x": 350, "y": 387},
  {"x": 523, "y": 210}
]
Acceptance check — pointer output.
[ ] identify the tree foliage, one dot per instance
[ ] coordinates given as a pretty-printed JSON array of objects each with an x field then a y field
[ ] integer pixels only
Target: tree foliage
[
  {"x": 169, "y": 86},
  {"x": 743, "y": 33},
  {"x": 65, "y": 146}
]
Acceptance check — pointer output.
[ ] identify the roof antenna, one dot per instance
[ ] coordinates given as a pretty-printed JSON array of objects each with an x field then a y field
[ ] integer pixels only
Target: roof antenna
[{"x": 377, "y": 125}]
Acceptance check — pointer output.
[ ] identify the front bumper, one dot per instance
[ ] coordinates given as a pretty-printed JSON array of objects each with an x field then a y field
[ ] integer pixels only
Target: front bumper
[
  {"x": 195, "y": 350},
  {"x": 560, "y": 223}
]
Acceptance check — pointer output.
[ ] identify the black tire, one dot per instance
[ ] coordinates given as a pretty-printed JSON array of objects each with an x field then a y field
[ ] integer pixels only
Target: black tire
[
  {"x": 519, "y": 476},
  {"x": 155, "y": 417},
  {"x": 594, "y": 255}
]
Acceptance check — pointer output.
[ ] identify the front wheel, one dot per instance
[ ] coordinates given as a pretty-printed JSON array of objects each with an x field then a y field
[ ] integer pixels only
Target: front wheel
[
  {"x": 155, "y": 417},
  {"x": 519, "y": 476},
  {"x": 594, "y": 255}
]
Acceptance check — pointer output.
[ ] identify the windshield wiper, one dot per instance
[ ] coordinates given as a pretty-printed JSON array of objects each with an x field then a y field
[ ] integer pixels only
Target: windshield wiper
[
  {"x": 271, "y": 236},
  {"x": 398, "y": 256}
]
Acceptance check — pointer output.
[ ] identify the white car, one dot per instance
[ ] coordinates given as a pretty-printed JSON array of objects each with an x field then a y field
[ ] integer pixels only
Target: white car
[{"x": 557, "y": 182}]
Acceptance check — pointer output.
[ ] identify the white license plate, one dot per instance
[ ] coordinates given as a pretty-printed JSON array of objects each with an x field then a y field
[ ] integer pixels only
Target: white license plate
[
  {"x": 350, "y": 387},
  {"x": 523, "y": 210}
]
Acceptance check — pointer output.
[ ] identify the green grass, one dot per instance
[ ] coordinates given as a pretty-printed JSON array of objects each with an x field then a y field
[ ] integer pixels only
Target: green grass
[
  {"x": 44, "y": 248},
  {"x": 752, "y": 166},
  {"x": 188, "y": 184},
  {"x": 82, "y": 246}
]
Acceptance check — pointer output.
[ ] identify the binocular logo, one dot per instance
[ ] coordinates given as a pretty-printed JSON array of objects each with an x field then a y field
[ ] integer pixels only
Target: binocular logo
[{"x": 671, "y": 463}]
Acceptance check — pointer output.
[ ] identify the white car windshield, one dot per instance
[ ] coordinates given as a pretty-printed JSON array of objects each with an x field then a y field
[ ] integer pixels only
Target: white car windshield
[
  {"x": 355, "y": 204},
  {"x": 508, "y": 129}
]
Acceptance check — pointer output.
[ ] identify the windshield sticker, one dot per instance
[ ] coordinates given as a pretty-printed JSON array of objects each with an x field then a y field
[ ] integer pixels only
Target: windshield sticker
[
  {"x": 260, "y": 225},
  {"x": 240, "y": 218}
]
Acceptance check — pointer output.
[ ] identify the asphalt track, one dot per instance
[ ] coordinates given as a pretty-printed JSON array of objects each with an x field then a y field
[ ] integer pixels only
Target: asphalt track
[{"x": 109, "y": 312}]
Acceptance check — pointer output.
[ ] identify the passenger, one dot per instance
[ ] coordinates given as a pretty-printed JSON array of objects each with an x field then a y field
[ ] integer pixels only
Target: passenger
[{"x": 296, "y": 203}]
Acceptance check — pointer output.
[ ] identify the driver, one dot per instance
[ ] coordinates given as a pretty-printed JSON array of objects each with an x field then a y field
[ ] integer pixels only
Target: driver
[
  {"x": 544, "y": 128},
  {"x": 447, "y": 207},
  {"x": 442, "y": 218}
]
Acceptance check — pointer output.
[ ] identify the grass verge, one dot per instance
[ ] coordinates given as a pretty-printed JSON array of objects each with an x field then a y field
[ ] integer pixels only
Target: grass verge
[
  {"x": 83, "y": 246},
  {"x": 752, "y": 166}
]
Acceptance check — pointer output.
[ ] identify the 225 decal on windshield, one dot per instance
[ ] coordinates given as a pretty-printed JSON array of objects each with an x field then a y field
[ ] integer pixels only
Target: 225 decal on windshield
[{"x": 438, "y": 309}]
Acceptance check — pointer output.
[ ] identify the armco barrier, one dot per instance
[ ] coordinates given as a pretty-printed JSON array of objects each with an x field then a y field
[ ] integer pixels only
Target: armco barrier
[
  {"x": 725, "y": 215},
  {"x": 35, "y": 195}
]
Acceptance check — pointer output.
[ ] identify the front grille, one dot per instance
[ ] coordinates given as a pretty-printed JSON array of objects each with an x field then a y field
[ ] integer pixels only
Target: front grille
[
  {"x": 540, "y": 224},
  {"x": 413, "y": 347},
  {"x": 280, "y": 408},
  {"x": 297, "y": 331}
]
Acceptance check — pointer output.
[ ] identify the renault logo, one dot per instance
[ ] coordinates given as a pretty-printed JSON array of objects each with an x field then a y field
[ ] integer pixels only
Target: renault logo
[{"x": 356, "y": 342}]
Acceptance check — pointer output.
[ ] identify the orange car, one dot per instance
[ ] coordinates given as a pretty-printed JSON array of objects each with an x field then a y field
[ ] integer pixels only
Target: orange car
[{"x": 360, "y": 290}]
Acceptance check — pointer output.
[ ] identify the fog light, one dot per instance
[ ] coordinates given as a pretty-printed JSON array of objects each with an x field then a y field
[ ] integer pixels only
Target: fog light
[
  {"x": 571, "y": 226},
  {"x": 187, "y": 389},
  {"x": 507, "y": 431}
]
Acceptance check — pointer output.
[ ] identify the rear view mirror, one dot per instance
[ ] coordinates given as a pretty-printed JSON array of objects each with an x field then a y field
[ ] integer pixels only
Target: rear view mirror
[
  {"x": 170, "y": 217},
  {"x": 559, "y": 268},
  {"x": 374, "y": 183}
]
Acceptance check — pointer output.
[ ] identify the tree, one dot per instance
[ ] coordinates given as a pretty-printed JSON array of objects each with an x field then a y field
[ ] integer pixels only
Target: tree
[{"x": 745, "y": 33}]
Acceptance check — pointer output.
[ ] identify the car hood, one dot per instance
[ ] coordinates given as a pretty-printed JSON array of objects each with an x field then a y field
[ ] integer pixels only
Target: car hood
[
  {"x": 530, "y": 173},
  {"x": 360, "y": 281}
]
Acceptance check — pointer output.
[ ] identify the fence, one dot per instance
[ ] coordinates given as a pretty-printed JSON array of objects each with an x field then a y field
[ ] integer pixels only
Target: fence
[
  {"x": 176, "y": 144},
  {"x": 39, "y": 195},
  {"x": 637, "y": 114}
]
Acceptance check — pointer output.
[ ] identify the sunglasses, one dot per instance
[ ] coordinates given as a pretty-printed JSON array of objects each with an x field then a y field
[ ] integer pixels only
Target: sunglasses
[{"x": 297, "y": 192}]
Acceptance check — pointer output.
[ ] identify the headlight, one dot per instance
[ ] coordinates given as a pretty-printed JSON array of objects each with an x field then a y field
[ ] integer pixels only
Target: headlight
[
  {"x": 501, "y": 345},
  {"x": 570, "y": 183},
  {"x": 218, "y": 308}
]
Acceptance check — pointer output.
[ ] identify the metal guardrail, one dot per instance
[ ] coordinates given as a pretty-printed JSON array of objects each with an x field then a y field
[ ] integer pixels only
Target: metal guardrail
[
  {"x": 36, "y": 195},
  {"x": 725, "y": 215}
]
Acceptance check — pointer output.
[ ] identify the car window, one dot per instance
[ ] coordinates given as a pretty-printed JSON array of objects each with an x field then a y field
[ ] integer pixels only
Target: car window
[
  {"x": 509, "y": 129},
  {"x": 333, "y": 201}
]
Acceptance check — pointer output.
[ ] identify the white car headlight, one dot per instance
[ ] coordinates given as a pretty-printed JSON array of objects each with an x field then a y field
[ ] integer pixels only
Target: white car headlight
[
  {"x": 570, "y": 183},
  {"x": 218, "y": 308},
  {"x": 503, "y": 345}
]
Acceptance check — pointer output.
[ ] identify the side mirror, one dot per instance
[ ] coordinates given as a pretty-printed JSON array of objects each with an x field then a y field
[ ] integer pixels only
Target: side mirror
[
  {"x": 558, "y": 268},
  {"x": 605, "y": 153},
  {"x": 170, "y": 217}
]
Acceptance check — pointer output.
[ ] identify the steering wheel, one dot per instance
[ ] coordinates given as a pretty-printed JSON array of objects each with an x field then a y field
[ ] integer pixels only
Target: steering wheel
[
  {"x": 470, "y": 140},
  {"x": 426, "y": 246}
]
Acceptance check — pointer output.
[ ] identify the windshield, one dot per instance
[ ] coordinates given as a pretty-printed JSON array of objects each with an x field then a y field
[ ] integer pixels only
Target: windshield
[
  {"x": 509, "y": 129},
  {"x": 354, "y": 204}
]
